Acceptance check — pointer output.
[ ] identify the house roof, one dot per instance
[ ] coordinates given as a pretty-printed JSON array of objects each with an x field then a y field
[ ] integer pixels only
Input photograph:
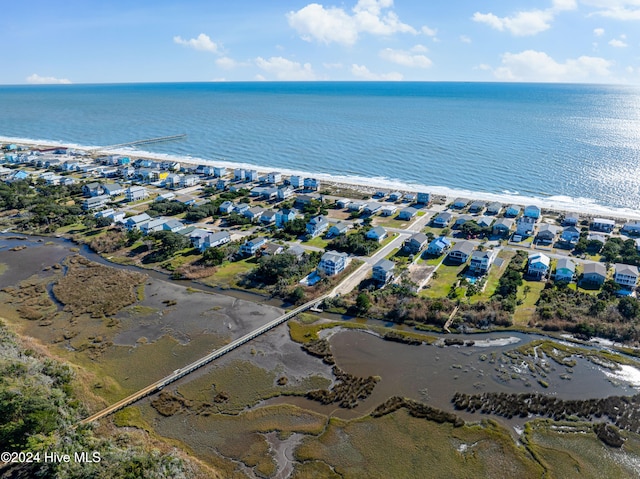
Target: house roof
[
  {"x": 444, "y": 216},
  {"x": 385, "y": 264},
  {"x": 419, "y": 238},
  {"x": 296, "y": 250},
  {"x": 333, "y": 256},
  {"x": 440, "y": 242},
  {"x": 603, "y": 221},
  {"x": 539, "y": 258},
  {"x": 488, "y": 253},
  {"x": 410, "y": 210},
  {"x": 465, "y": 247},
  {"x": 592, "y": 267},
  {"x": 378, "y": 231},
  {"x": 626, "y": 269},
  {"x": 565, "y": 263},
  {"x": 139, "y": 218},
  {"x": 506, "y": 222}
]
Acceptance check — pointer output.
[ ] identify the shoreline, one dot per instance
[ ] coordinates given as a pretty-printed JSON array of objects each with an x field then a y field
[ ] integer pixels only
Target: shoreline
[{"x": 365, "y": 185}]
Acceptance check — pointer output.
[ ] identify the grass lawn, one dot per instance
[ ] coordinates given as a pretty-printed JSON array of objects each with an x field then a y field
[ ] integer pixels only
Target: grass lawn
[
  {"x": 524, "y": 312},
  {"x": 390, "y": 222},
  {"x": 430, "y": 260},
  {"x": 494, "y": 276},
  {"x": 388, "y": 239},
  {"x": 441, "y": 284},
  {"x": 318, "y": 242},
  {"x": 226, "y": 276},
  {"x": 393, "y": 253}
]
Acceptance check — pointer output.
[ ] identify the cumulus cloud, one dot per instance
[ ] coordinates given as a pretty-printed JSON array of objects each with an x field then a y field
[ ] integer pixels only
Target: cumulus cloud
[
  {"x": 598, "y": 32},
  {"x": 525, "y": 23},
  {"x": 335, "y": 25},
  {"x": 405, "y": 58},
  {"x": 535, "y": 66},
  {"x": 618, "y": 43},
  {"x": 361, "y": 71},
  {"x": 36, "y": 79},
  {"x": 284, "y": 69},
  {"x": 202, "y": 43},
  {"x": 228, "y": 63},
  {"x": 615, "y": 9}
]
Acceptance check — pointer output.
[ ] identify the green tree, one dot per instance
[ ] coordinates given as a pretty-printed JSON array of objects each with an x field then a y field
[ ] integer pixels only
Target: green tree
[
  {"x": 363, "y": 303},
  {"x": 628, "y": 307}
]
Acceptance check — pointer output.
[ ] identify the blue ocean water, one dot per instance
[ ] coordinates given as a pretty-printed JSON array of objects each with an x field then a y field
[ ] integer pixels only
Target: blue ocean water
[{"x": 556, "y": 143}]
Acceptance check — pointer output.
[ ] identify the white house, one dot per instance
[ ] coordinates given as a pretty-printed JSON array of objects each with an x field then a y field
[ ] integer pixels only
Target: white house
[
  {"x": 461, "y": 251},
  {"x": 626, "y": 275},
  {"x": 603, "y": 224},
  {"x": 135, "y": 193},
  {"x": 333, "y": 262},
  {"x": 481, "y": 261}
]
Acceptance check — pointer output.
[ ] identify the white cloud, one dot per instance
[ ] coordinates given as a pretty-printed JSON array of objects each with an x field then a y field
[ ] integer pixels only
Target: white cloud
[
  {"x": 617, "y": 43},
  {"x": 285, "y": 69},
  {"x": 332, "y": 66},
  {"x": 36, "y": 79},
  {"x": 419, "y": 48},
  {"x": 202, "y": 43},
  {"x": 534, "y": 66},
  {"x": 335, "y": 25},
  {"x": 598, "y": 32},
  {"x": 615, "y": 9},
  {"x": 430, "y": 32},
  {"x": 465, "y": 39},
  {"x": 525, "y": 23},
  {"x": 405, "y": 58},
  {"x": 227, "y": 63},
  {"x": 361, "y": 71}
]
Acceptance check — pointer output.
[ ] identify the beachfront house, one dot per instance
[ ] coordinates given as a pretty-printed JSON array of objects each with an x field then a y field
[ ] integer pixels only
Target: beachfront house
[
  {"x": 626, "y": 275},
  {"x": 593, "y": 274},
  {"x": 460, "y": 252},
  {"x": 332, "y": 263},
  {"x": 395, "y": 196},
  {"x": 423, "y": 198},
  {"x": 481, "y": 261},
  {"x": 251, "y": 247},
  {"x": 383, "y": 271},
  {"x": 438, "y": 246},
  {"x": 378, "y": 233},
  {"x": 512, "y": 211},
  {"x": 338, "y": 229},
  {"x": 311, "y": 184},
  {"x": 296, "y": 181},
  {"x": 316, "y": 226},
  {"x": 565, "y": 270},
  {"x": 415, "y": 243},
  {"x": 95, "y": 202},
  {"x": 284, "y": 216},
  {"x": 477, "y": 207},
  {"x": 547, "y": 233},
  {"x": 538, "y": 265},
  {"x": 239, "y": 174},
  {"x": 274, "y": 177},
  {"x": 494, "y": 208},
  {"x": 571, "y": 219},
  {"x": 525, "y": 226},
  {"x": 136, "y": 193},
  {"x": 407, "y": 213},
  {"x": 219, "y": 171},
  {"x": 459, "y": 203},
  {"x": 603, "y": 224},
  {"x": 442, "y": 220},
  {"x": 206, "y": 170},
  {"x": 632, "y": 227},
  {"x": 532, "y": 211}
]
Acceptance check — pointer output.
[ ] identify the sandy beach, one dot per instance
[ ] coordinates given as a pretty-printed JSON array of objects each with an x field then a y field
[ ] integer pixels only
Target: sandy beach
[{"x": 556, "y": 204}]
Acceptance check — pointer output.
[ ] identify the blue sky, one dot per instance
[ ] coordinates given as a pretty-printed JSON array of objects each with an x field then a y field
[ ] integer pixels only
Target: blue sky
[{"x": 87, "y": 41}]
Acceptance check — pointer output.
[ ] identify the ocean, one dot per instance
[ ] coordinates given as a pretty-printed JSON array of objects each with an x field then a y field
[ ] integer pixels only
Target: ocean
[{"x": 558, "y": 145}]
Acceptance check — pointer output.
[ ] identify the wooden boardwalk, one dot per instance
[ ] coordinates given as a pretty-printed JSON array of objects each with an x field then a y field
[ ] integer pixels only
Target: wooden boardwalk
[{"x": 182, "y": 372}]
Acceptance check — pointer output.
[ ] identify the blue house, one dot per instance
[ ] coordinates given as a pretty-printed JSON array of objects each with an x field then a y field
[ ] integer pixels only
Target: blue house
[
  {"x": 423, "y": 198},
  {"x": 438, "y": 246},
  {"x": 378, "y": 233},
  {"x": 407, "y": 213},
  {"x": 284, "y": 216},
  {"x": 532, "y": 211},
  {"x": 512, "y": 211}
]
